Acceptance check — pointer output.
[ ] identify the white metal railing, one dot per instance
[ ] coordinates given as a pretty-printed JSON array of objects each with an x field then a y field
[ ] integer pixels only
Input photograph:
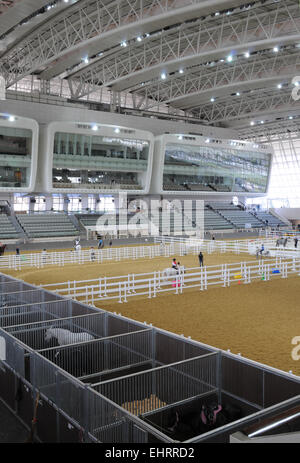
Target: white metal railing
[
  {"x": 166, "y": 248},
  {"x": 150, "y": 284},
  {"x": 43, "y": 259}
]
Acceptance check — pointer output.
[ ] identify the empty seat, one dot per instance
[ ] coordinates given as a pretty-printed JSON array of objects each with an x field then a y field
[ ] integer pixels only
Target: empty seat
[{"x": 47, "y": 225}]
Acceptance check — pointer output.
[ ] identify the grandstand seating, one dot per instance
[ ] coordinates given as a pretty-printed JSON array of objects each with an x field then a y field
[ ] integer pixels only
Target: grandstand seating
[
  {"x": 269, "y": 219},
  {"x": 47, "y": 225},
  {"x": 240, "y": 218},
  {"x": 173, "y": 187},
  {"x": 7, "y": 229},
  {"x": 217, "y": 216},
  {"x": 214, "y": 221},
  {"x": 199, "y": 187}
]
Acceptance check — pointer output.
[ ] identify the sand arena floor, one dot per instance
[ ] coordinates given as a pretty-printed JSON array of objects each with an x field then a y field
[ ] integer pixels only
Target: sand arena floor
[{"x": 257, "y": 320}]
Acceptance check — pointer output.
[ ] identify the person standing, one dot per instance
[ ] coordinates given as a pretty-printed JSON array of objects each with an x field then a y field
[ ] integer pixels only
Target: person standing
[
  {"x": 201, "y": 263},
  {"x": 92, "y": 254},
  {"x": 296, "y": 242}
]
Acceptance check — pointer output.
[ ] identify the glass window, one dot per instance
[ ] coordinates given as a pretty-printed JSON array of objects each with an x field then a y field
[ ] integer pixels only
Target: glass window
[
  {"x": 21, "y": 203},
  {"x": 58, "y": 203},
  {"x": 40, "y": 204},
  {"x": 95, "y": 161},
  {"x": 91, "y": 202},
  {"x": 207, "y": 168},
  {"x": 285, "y": 175},
  {"x": 15, "y": 157},
  {"x": 74, "y": 204}
]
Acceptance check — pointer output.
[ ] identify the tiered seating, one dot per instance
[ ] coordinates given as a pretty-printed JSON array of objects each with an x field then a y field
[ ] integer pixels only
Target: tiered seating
[
  {"x": 47, "y": 225},
  {"x": 223, "y": 188},
  {"x": 235, "y": 215},
  {"x": 174, "y": 187},
  {"x": 240, "y": 218},
  {"x": 213, "y": 221},
  {"x": 269, "y": 219},
  {"x": 7, "y": 229},
  {"x": 218, "y": 206},
  {"x": 89, "y": 220},
  {"x": 199, "y": 187},
  {"x": 99, "y": 186}
]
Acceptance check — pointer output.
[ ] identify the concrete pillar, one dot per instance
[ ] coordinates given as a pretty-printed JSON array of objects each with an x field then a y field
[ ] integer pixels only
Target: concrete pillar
[{"x": 84, "y": 202}]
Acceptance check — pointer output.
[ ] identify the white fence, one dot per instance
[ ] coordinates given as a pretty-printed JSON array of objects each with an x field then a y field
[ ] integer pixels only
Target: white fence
[
  {"x": 168, "y": 247},
  {"x": 151, "y": 284},
  {"x": 42, "y": 259}
]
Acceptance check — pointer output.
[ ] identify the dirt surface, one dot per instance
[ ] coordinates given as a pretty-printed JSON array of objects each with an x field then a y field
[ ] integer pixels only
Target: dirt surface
[
  {"x": 71, "y": 272},
  {"x": 258, "y": 320}
]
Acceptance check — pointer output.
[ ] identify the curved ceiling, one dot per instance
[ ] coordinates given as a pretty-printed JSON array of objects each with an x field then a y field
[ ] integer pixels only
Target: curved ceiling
[{"x": 227, "y": 63}]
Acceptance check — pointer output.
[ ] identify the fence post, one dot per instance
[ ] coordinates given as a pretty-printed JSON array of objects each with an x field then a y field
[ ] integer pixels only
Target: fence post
[
  {"x": 105, "y": 284},
  {"x": 201, "y": 279},
  {"x": 154, "y": 285},
  {"x": 125, "y": 292},
  {"x": 120, "y": 293}
]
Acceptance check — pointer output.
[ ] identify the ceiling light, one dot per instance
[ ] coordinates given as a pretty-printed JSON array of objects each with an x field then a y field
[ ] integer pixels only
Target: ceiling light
[
  {"x": 252, "y": 123},
  {"x": 247, "y": 54},
  {"x": 212, "y": 99},
  {"x": 276, "y": 49},
  {"x": 229, "y": 58},
  {"x": 238, "y": 94},
  {"x": 124, "y": 43},
  {"x": 94, "y": 127},
  {"x": 207, "y": 140},
  {"x": 180, "y": 137},
  {"x": 11, "y": 119},
  {"x": 279, "y": 86},
  {"x": 117, "y": 130},
  {"x": 86, "y": 60},
  {"x": 181, "y": 71},
  {"x": 217, "y": 13},
  {"x": 139, "y": 39},
  {"x": 262, "y": 122},
  {"x": 291, "y": 117},
  {"x": 163, "y": 76}
]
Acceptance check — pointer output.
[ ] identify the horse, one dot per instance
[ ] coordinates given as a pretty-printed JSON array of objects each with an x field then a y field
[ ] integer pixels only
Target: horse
[
  {"x": 183, "y": 425},
  {"x": 2, "y": 249},
  {"x": 66, "y": 337},
  {"x": 168, "y": 273}
]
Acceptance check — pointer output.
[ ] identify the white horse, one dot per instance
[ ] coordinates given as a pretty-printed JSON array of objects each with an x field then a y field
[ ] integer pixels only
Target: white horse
[
  {"x": 77, "y": 247},
  {"x": 168, "y": 273},
  {"x": 66, "y": 337}
]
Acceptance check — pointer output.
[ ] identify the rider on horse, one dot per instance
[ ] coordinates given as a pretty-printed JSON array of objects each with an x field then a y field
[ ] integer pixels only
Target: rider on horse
[{"x": 174, "y": 264}]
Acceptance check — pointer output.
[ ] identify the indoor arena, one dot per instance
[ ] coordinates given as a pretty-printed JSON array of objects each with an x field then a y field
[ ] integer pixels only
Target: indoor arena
[{"x": 149, "y": 222}]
